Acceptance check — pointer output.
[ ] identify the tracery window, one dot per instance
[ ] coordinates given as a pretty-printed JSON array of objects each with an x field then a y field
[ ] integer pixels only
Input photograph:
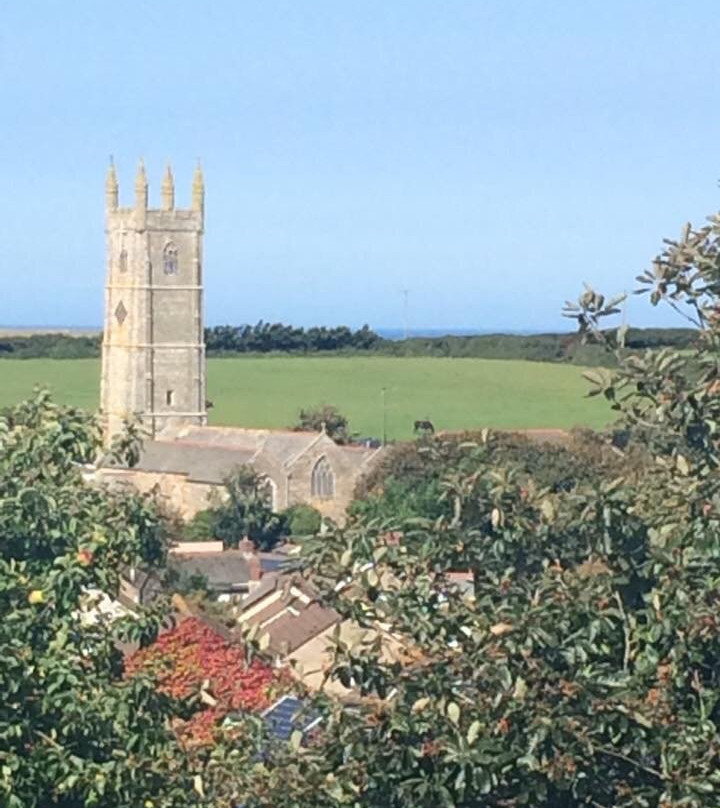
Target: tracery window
[
  {"x": 322, "y": 481},
  {"x": 170, "y": 259}
]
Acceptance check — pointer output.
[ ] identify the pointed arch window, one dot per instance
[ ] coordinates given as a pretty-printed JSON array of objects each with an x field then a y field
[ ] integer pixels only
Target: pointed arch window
[
  {"x": 170, "y": 259},
  {"x": 322, "y": 481},
  {"x": 123, "y": 262},
  {"x": 267, "y": 491}
]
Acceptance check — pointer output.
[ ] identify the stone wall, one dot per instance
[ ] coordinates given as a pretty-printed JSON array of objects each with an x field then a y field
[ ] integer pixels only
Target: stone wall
[
  {"x": 345, "y": 472},
  {"x": 182, "y": 496}
]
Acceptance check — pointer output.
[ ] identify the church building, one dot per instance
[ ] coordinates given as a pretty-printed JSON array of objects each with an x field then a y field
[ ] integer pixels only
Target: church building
[{"x": 153, "y": 369}]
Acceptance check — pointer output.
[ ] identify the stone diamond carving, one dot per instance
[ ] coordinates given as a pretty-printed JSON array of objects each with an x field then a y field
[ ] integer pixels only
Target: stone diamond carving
[{"x": 120, "y": 313}]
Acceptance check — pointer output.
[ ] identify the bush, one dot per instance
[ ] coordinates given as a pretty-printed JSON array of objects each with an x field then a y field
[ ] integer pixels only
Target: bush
[
  {"x": 201, "y": 527},
  {"x": 302, "y": 520},
  {"x": 408, "y": 481}
]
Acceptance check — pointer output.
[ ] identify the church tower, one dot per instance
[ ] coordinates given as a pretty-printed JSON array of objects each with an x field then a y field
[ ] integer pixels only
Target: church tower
[{"x": 153, "y": 353}]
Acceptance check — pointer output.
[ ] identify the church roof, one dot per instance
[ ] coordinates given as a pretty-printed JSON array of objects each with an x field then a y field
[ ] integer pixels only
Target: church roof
[
  {"x": 210, "y": 454},
  {"x": 282, "y": 445},
  {"x": 207, "y": 464}
]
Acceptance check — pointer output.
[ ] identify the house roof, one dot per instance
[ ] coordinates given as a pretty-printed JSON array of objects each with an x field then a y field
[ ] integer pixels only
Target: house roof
[
  {"x": 224, "y": 571},
  {"x": 291, "y": 620},
  {"x": 273, "y": 583},
  {"x": 291, "y": 630}
]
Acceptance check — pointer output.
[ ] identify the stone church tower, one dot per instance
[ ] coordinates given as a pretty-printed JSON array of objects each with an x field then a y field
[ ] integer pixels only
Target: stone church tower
[{"x": 153, "y": 353}]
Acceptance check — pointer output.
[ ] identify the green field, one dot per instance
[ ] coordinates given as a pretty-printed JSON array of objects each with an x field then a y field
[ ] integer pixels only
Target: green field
[{"x": 268, "y": 391}]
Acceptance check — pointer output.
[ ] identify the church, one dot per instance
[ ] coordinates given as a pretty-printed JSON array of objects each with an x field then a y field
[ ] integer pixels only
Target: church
[{"x": 153, "y": 369}]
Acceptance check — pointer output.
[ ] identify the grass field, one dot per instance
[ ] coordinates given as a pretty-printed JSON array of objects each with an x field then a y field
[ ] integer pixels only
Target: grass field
[{"x": 268, "y": 392}]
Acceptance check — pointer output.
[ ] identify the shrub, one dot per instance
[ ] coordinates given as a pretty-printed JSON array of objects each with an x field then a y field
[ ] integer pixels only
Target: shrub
[
  {"x": 303, "y": 520},
  {"x": 201, "y": 527}
]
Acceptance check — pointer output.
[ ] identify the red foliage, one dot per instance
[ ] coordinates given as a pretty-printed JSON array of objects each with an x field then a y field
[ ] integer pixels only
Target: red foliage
[{"x": 185, "y": 657}]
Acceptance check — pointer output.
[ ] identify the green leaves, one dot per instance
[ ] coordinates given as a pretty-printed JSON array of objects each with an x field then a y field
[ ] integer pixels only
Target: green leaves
[
  {"x": 246, "y": 512},
  {"x": 72, "y": 731}
]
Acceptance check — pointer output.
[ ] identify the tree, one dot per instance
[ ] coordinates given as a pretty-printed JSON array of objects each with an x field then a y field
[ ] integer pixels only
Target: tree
[
  {"x": 73, "y": 731},
  {"x": 583, "y": 669},
  {"x": 325, "y": 417},
  {"x": 245, "y": 512},
  {"x": 193, "y": 657},
  {"x": 408, "y": 480},
  {"x": 201, "y": 527}
]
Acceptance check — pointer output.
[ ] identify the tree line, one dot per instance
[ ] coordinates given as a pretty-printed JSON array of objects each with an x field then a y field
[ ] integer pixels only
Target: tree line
[
  {"x": 266, "y": 337},
  {"x": 263, "y": 338}
]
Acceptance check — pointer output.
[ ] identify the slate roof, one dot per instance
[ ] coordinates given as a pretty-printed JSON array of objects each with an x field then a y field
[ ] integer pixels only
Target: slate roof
[
  {"x": 209, "y": 454},
  {"x": 224, "y": 571},
  {"x": 207, "y": 464},
  {"x": 282, "y": 445}
]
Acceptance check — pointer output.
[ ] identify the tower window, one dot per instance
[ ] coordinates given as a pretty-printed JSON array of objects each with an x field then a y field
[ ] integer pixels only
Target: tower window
[
  {"x": 170, "y": 259},
  {"x": 322, "y": 481},
  {"x": 169, "y": 397},
  {"x": 123, "y": 260}
]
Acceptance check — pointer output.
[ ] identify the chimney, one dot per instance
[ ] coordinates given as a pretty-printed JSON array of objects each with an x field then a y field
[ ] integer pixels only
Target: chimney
[
  {"x": 252, "y": 558},
  {"x": 246, "y": 547}
]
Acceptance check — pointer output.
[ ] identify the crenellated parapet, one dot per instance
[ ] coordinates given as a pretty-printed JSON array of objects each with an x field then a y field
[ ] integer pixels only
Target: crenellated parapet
[{"x": 140, "y": 217}]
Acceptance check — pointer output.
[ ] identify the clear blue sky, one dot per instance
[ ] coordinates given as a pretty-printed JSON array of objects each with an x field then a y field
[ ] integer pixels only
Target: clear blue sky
[{"x": 488, "y": 155}]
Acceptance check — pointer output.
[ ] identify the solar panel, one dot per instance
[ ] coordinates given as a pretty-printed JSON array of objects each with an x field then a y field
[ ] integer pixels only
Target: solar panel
[
  {"x": 272, "y": 564},
  {"x": 287, "y": 715}
]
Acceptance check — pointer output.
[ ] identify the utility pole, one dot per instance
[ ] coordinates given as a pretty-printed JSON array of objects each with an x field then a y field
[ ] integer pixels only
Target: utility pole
[
  {"x": 405, "y": 293},
  {"x": 384, "y": 416},
  {"x": 624, "y": 309}
]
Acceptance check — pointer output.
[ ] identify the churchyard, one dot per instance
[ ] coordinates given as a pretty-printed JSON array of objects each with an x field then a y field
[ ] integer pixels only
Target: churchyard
[{"x": 454, "y": 394}]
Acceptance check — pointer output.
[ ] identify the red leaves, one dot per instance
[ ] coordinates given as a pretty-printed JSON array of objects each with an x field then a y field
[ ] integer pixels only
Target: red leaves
[{"x": 185, "y": 657}]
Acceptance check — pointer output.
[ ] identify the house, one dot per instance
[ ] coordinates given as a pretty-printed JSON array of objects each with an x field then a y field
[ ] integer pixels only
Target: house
[{"x": 296, "y": 629}]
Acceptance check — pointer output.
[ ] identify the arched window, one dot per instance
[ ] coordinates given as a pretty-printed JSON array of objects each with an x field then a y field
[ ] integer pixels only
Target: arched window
[
  {"x": 322, "y": 482},
  {"x": 267, "y": 491},
  {"x": 170, "y": 259},
  {"x": 123, "y": 260}
]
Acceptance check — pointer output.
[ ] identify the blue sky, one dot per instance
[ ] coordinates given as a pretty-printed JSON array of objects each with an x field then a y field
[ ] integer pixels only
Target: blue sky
[{"x": 488, "y": 155}]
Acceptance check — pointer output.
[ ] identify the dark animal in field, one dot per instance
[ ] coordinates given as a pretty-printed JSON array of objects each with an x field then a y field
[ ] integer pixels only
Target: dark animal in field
[
  {"x": 424, "y": 426},
  {"x": 208, "y": 404}
]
